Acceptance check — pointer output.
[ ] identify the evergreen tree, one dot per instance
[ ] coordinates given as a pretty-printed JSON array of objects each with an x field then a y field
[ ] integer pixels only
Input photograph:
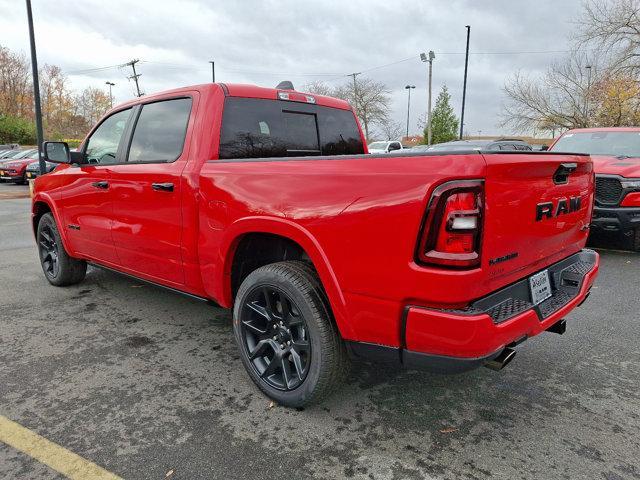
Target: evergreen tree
[{"x": 444, "y": 123}]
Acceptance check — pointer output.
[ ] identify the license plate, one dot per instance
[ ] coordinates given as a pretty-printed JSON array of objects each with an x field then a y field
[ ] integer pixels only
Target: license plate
[{"x": 540, "y": 286}]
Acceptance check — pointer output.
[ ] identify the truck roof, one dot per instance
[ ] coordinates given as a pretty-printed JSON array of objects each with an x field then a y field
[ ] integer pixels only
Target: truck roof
[{"x": 242, "y": 90}]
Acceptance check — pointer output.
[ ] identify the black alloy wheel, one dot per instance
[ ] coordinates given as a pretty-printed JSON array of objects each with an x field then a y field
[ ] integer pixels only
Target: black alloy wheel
[
  {"x": 49, "y": 252},
  {"x": 275, "y": 337}
]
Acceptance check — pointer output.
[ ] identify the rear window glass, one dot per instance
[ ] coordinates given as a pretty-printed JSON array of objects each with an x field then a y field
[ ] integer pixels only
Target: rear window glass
[{"x": 259, "y": 128}]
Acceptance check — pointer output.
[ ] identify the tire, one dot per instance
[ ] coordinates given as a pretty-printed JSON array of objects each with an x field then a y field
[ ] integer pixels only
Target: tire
[
  {"x": 59, "y": 268},
  {"x": 636, "y": 240},
  {"x": 284, "y": 302}
]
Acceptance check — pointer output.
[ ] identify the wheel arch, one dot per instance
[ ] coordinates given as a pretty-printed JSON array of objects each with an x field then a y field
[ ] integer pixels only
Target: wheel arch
[
  {"x": 40, "y": 205},
  {"x": 289, "y": 236}
]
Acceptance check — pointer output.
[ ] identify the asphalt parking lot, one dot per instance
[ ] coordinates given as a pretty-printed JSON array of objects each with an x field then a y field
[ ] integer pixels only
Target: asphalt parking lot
[{"x": 147, "y": 384}]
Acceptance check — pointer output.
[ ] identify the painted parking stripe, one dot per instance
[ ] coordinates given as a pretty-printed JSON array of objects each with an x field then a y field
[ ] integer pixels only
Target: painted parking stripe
[{"x": 51, "y": 454}]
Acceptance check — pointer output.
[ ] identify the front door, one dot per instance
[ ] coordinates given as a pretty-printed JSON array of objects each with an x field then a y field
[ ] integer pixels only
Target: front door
[
  {"x": 85, "y": 192},
  {"x": 146, "y": 193}
]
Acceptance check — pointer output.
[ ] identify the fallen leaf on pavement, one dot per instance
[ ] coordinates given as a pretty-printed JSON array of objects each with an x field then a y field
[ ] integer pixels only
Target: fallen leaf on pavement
[
  {"x": 169, "y": 473},
  {"x": 271, "y": 405},
  {"x": 448, "y": 430}
]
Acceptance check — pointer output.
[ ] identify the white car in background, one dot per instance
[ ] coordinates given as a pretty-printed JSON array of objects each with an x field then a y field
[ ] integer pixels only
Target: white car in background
[{"x": 384, "y": 147}]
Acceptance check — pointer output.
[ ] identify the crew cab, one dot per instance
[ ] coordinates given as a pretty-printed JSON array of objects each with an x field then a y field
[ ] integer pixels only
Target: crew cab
[
  {"x": 264, "y": 201},
  {"x": 616, "y": 161}
]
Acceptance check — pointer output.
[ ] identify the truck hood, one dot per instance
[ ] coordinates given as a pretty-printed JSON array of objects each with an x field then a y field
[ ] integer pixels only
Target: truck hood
[{"x": 608, "y": 165}]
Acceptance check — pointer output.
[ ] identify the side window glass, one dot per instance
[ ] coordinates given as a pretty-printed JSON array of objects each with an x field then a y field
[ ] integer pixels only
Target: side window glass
[
  {"x": 160, "y": 131},
  {"x": 102, "y": 146}
]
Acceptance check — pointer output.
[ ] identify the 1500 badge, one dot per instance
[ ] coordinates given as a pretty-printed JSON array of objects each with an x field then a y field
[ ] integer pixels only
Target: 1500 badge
[{"x": 564, "y": 205}]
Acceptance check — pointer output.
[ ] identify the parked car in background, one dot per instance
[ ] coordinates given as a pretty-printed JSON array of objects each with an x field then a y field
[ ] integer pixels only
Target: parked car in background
[
  {"x": 15, "y": 169},
  {"x": 246, "y": 196},
  {"x": 385, "y": 147},
  {"x": 13, "y": 154},
  {"x": 499, "y": 144},
  {"x": 33, "y": 169},
  {"x": 616, "y": 161}
]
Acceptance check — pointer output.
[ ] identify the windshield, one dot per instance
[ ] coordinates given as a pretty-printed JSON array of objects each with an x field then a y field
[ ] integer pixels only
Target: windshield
[
  {"x": 618, "y": 144},
  {"x": 378, "y": 145}
]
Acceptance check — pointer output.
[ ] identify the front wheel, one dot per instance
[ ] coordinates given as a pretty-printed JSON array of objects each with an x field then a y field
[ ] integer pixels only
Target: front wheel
[
  {"x": 59, "y": 268},
  {"x": 288, "y": 341},
  {"x": 636, "y": 239}
]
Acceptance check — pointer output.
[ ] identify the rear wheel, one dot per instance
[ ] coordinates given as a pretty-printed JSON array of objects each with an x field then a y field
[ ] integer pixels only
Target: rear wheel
[
  {"x": 288, "y": 341},
  {"x": 636, "y": 240},
  {"x": 59, "y": 268}
]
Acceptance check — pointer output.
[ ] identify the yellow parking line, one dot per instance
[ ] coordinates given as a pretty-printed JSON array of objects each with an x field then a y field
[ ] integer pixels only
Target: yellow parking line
[{"x": 51, "y": 454}]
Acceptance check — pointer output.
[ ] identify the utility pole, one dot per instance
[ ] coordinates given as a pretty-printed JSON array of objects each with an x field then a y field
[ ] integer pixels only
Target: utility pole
[
  {"x": 409, "y": 88},
  {"x": 36, "y": 89},
  {"x": 429, "y": 59},
  {"x": 355, "y": 89},
  {"x": 586, "y": 97},
  {"x": 135, "y": 75},
  {"x": 111, "y": 84},
  {"x": 213, "y": 71},
  {"x": 464, "y": 86}
]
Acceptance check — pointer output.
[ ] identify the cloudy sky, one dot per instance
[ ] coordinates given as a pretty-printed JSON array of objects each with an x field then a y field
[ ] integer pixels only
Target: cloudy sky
[{"x": 263, "y": 42}]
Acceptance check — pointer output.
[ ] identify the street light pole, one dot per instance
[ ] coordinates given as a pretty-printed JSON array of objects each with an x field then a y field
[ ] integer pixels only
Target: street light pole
[
  {"x": 36, "y": 89},
  {"x": 464, "y": 86},
  {"x": 429, "y": 59},
  {"x": 586, "y": 97},
  {"x": 409, "y": 88},
  {"x": 111, "y": 84},
  {"x": 213, "y": 72}
]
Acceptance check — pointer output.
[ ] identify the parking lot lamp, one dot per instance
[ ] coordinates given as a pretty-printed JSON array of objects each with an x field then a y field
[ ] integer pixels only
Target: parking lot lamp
[
  {"x": 111, "y": 84},
  {"x": 429, "y": 59},
  {"x": 408, "y": 88},
  {"x": 36, "y": 89}
]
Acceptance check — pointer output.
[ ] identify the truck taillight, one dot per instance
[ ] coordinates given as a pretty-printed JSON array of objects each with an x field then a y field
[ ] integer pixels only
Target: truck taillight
[{"x": 451, "y": 234}]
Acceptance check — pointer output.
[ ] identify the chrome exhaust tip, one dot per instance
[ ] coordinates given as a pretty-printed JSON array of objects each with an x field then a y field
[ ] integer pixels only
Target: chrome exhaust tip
[{"x": 501, "y": 361}]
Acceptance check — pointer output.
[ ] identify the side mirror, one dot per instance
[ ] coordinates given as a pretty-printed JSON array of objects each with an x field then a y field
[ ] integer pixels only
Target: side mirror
[
  {"x": 56, "y": 152},
  {"x": 544, "y": 148}
]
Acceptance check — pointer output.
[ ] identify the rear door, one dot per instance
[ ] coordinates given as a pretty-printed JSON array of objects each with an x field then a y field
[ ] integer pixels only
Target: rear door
[
  {"x": 85, "y": 193},
  {"x": 538, "y": 209},
  {"x": 146, "y": 192}
]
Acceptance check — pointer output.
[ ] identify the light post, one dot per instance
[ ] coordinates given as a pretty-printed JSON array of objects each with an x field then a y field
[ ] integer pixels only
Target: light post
[
  {"x": 429, "y": 59},
  {"x": 586, "y": 97},
  {"x": 409, "y": 88},
  {"x": 111, "y": 84},
  {"x": 36, "y": 89},
  {"x": 464, "y": 86},
  {"x": 213, "y": 71}
]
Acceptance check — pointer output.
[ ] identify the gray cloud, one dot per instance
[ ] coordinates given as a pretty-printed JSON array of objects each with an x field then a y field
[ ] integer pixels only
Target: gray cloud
[{"x": 264, "y": 42}]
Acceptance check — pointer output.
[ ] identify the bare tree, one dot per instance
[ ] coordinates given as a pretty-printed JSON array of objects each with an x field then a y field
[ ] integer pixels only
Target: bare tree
[
  {"x": 390, "y": 130},
  {"x": 318, "y": 87},
  {"x": 614, "y": 26},
  {"x": 15, "y": 85},
  {"x": 370, "y": 100},
  {"x": 562, "y": 98}
]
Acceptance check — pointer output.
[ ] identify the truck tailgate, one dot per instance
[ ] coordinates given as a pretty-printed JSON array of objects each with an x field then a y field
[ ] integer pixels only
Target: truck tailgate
[{"x": 538, "y": 209}]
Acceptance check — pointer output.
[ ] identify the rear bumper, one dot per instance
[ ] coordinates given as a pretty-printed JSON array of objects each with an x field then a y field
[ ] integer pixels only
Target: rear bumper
[
  {"x": 453, "y": 341},
  {"x": 615, "y": 219}
]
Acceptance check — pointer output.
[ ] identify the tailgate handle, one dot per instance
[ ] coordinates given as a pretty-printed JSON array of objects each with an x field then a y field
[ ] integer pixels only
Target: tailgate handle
[
  {"x": 562, "y": 173},
  {"x": 102, "y": 185}
]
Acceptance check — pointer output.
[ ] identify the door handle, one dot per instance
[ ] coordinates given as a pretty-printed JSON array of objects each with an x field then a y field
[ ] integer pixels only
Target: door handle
[
  {"x": 164, "y": 187},
  {"x": 103, "y": 185}
]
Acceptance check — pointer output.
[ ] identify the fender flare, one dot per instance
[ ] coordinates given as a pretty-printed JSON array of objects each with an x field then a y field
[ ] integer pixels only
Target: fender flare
[
  {"x": 298, "y": 234},
  {"x": 43, "y": 197}
]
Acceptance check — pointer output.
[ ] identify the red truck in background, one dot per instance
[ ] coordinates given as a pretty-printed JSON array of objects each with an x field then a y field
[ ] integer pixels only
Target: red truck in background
[
  {"x": 615, "y": 152},
  {"x": 263, "y": 200}
]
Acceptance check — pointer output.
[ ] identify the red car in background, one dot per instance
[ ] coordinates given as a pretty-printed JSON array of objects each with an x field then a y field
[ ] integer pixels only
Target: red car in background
[
  {"x": 14, "y": 169},
  {"x": 616, "y": 162}
]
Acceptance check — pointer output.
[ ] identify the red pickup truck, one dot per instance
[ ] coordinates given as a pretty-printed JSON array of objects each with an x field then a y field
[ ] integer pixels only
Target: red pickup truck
[
  {"x": 616, "y": 161},
  {"x": 264, "y": 200}
]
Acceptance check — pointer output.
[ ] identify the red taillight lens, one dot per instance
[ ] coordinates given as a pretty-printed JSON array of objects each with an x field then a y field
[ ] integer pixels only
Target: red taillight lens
[{"x": 451, "y": 233}]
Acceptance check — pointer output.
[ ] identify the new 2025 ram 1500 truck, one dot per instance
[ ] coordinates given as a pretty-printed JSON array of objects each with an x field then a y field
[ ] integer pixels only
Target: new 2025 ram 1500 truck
[{"x": 264, "y": 200}]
